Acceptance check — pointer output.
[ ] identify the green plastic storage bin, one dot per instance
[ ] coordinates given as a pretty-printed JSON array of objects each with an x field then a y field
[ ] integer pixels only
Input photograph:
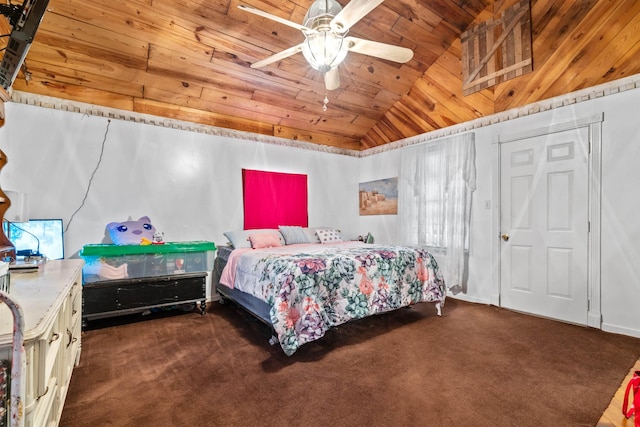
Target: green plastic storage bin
[{"x": 110, "y": 262}]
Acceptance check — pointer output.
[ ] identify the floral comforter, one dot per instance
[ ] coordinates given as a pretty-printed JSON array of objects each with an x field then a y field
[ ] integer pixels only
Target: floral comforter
[{"x": 311, "y": 288}]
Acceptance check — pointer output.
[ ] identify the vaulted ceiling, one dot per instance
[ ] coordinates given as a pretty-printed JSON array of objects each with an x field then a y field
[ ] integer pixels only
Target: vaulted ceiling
[{"x": 190, "y": 60}]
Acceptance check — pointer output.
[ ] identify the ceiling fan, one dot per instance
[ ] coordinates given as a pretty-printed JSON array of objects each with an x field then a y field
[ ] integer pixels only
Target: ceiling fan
[{"x": 326, "y": 43}]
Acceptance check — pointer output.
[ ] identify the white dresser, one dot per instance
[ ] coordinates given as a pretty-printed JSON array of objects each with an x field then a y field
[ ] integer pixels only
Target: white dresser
[{"x": 51, "y": 300}]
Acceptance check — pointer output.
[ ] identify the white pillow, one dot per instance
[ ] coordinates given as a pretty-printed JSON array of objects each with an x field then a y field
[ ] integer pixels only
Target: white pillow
[
  {"x": 311, "y": 233},
  {"x": 329, "y": 235}
]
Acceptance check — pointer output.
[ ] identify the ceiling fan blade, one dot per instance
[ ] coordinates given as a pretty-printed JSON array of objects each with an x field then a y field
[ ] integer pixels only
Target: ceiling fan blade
[
  {"x": 354, "y": 11},
  {"x": 379, "y": 50},
  {"x": 274, "y": 18},
  {"x": 332, "y": 79},
  {"x": 277, "y": 56}
]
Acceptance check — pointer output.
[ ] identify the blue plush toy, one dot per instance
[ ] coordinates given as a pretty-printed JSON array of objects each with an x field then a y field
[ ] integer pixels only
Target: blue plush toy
[{"x": 131, "y": 232}]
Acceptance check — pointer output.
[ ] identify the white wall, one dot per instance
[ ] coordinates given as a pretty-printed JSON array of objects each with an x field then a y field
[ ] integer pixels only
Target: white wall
[
  {"x": 621, "y": 213},
  {"x": 620, "y": 245},
  {"x": 189, "y": 184},
  {"x": 387, "y": 165}
]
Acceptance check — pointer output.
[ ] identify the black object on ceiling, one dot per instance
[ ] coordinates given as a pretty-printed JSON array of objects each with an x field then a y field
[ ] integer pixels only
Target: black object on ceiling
[{"x": 24, "y": 20}]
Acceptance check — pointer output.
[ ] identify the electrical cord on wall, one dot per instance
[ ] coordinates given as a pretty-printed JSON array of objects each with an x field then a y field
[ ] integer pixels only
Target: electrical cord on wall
[
  {"x": 27, "y": 252},
  {"x": 86, "y": 194}
]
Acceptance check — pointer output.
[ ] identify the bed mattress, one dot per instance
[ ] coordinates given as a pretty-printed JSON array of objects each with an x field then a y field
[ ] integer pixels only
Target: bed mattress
[{"x": 310, "y": 288}]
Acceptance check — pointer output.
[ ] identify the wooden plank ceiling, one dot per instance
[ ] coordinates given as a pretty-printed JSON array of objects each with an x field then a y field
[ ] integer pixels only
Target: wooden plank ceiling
[{"x": 190, "y": 60}]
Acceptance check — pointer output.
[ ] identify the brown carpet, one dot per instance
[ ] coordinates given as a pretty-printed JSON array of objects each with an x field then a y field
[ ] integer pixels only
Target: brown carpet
[{"x": 476, "y": 365}]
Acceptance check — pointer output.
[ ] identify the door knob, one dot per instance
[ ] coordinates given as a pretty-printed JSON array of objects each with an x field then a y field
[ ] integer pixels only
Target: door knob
[{"x": 505, "y": 237}]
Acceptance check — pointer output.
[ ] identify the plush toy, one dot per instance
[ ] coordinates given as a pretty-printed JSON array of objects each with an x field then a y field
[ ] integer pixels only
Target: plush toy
[
  {"x": 158, "y": 238},
  {"x": 131, "y": 232}
]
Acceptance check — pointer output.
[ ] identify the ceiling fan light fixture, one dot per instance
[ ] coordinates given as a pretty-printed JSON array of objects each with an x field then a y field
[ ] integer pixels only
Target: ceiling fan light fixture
[
  {"x": 321, "y": 8},
  {"x": 324, "y": 50},
  {"x": 326, "y": 44}
]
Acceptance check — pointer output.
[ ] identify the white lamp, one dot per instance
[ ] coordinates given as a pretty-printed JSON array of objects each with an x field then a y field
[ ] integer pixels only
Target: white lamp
[{"x": 18, "y": 211}]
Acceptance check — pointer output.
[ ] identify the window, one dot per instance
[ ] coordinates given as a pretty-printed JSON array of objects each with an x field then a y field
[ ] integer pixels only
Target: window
[
  {"x": 434, "y": 198},
  {"x": 428, "y": 198}
]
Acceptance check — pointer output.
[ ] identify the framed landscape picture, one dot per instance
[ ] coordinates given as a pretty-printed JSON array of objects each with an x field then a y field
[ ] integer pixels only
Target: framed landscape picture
[{"x": 379, "y": 197}]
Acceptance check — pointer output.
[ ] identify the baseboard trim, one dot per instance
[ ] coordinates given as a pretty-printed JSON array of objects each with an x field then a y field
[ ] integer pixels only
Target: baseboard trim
[
  {"x": 608, "y": 327},
  {"x": 467, "y": 298}
]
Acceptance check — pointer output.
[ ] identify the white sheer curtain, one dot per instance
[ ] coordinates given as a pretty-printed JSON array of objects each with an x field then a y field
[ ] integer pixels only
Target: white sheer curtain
[{"x": 434, "y": 199}]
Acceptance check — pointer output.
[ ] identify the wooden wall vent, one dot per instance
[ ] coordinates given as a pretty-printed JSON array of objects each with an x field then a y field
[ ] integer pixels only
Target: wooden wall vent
[{"x": 497, "y": 50}]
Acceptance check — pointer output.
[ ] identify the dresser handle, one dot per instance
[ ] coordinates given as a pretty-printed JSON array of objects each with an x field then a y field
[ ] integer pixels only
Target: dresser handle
[
  {"x": 55, "y": 337},
  {"x": 46, "y": 390},
  {"x": 73, "y": 312},
  {"x": 72, "y": 339}
]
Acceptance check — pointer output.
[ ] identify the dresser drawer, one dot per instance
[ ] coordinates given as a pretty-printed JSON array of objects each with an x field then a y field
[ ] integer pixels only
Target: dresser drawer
[
  {"x": 48, "y": 353},
  {"x": 43, "y": 413},
  {"x": 122, "y": 295},
  {"x": 159, "y": 293}
]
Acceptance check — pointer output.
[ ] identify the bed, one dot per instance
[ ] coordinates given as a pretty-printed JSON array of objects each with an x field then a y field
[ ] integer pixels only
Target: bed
[{"x": 303, "y": 287}]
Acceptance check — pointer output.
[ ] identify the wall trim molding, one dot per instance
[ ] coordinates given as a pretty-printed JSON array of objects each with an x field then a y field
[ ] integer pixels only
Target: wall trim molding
[
  {"x": 599, "y": 91},
  {"x": 132, "y": 116},
  {"x": 605, "y": 89},
  {"x": 560, "y": 127}
]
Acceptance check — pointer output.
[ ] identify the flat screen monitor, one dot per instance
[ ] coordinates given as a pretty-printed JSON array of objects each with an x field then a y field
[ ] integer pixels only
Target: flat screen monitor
[{"x": 44, "y": 236}]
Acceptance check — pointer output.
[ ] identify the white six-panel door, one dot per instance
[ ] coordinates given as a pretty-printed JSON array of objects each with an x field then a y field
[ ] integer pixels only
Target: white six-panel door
[{"x": 544, "y": 224}]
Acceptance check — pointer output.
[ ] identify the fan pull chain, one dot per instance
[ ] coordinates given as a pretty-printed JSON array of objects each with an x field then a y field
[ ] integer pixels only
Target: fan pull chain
[{"x": 325, "y": 101}]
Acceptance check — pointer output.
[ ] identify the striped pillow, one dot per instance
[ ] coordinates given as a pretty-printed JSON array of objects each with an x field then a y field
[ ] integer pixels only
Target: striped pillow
[{"x": 293, "y": 234}]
